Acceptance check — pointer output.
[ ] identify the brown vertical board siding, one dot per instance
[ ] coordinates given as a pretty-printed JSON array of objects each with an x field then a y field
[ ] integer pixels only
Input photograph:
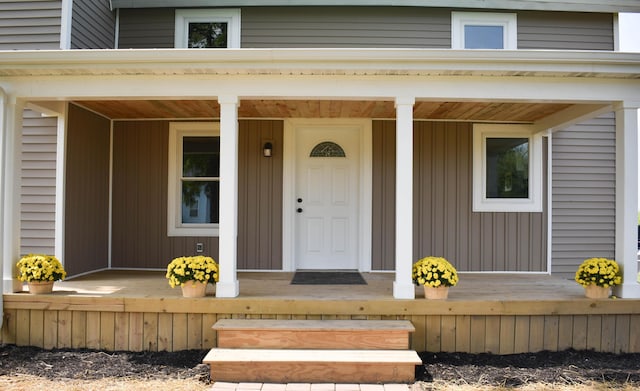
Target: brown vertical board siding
[
  {"x": 444, "y": 224},
  {"x": 140, "y": 164},
  {"x": 140, "y": 156},
  {"x": 87, "y": 192},
  {"x": 384, "y": 195},
  {"x": 260, "y": 195}
]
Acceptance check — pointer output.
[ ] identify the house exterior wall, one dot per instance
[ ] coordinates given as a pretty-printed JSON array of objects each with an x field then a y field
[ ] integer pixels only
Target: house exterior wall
[
  {"x": 444, "y": 223},
  {"x": 406, "y": 27},
  {"x": 140, "y": 156},
  {"x": 264, "y": 27},
  {"x": 583, "y": 199},
  {"x": 93, "y": 25},
  {"x": 87, "y": 192},
  {"x": 38, "y": 188},
  {"x": 29, "y": 25},
  {"x": 565, "y": 31},
  {"x": 146, "y": 28},
  {"x": 260, "y": 195}
]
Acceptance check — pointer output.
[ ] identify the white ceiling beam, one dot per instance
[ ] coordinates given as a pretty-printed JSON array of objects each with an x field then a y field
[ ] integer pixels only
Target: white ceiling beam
[{"x": 570, "y": 116}]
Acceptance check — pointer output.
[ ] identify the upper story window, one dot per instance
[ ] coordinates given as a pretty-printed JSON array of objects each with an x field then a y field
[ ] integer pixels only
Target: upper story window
[
  {"x": 507, "y": 169},
  {"x": 194, "y": 179},
  {"x": 483, "y": 30},
  {"x": 207, "y": 28}
]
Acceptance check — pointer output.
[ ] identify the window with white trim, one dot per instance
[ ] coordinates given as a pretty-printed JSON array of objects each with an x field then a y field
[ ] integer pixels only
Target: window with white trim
[
  {"x": 194, "y": 179},
  {"x": 483, "y": 30},
  {"x": 207, "y": 28},
  {"x": 507, "y": 169}
]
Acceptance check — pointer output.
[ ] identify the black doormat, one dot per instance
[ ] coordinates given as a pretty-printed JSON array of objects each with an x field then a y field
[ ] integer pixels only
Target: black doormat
[{"x": 328, "y": 278}]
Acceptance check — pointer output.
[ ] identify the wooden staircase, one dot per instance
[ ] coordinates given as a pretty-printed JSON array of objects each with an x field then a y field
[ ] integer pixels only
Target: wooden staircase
[{"x": 313, "y": 351}]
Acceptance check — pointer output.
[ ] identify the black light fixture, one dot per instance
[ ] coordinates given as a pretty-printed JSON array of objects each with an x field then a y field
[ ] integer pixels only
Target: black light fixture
[{"x": 267, "y": 149}]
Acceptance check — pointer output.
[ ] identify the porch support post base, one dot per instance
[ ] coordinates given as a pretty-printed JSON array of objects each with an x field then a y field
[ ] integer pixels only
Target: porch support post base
[
  {"x": 231, "y": 289},
  {"x": 627, "y": 197},
  {"x": 403, "y": 291},
  {"x": 630, "y": 290}
]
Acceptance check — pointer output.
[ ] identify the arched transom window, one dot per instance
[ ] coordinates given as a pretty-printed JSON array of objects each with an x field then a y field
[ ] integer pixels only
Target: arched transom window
[{"x": 327, "y": 149}]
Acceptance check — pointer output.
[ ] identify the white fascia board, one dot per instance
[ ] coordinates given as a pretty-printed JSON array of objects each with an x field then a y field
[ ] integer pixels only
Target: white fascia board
[
  {"x": 459, "y": 88},
  {"x": 539, "y": 5},
  {"x": 321, "y": 61}
]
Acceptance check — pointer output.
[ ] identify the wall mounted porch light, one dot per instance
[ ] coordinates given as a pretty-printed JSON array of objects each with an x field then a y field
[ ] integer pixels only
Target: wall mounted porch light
[{"x": 267, "y": 149}]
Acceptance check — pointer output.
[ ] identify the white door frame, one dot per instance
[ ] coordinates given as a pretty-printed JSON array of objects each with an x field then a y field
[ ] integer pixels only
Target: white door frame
[{"x": 289, "y": 188}]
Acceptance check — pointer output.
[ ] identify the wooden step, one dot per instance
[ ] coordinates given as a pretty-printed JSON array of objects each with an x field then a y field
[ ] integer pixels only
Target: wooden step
[
  {"x": 310, "y": 366},
  {"x": 313, "y": 334}
]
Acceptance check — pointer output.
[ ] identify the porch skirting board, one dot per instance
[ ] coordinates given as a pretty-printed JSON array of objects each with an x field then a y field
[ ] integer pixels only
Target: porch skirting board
[{"x": 174, "y": 324}]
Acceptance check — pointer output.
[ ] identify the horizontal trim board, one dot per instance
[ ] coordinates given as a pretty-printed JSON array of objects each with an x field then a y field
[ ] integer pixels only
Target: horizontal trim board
[
  {"x": 545, "y": 5},
  {"x": 257, "y": 306}
]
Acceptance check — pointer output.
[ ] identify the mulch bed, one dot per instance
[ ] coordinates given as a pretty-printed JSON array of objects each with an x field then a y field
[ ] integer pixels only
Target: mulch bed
[{"x": 567, "y": 367}]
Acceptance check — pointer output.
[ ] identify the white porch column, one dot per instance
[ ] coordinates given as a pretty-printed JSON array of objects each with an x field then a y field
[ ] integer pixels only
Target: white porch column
[
  {"x": 10, "y": 149},
  {"x": 228, "y": 285},
  {"x": 627, "y": 197},
  {"x": 403, "y": 287}
]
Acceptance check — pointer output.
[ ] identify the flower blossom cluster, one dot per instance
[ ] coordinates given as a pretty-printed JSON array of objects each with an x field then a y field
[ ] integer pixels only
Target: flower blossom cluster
[
  {"x": 197, "y": 268},
  {"x": 40, "y": 267},
  {"x": 598, "y": 271},
  {"x": 435, "y": 272}
]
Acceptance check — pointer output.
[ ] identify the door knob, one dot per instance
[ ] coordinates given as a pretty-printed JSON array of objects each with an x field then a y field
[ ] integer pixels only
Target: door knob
[
  {"x": 299, "y": 200},
  {"x": 299, "y": 210}
]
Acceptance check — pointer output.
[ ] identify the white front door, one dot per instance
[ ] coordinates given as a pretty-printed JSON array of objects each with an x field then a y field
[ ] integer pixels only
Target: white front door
[{"x": 327, "y": 196}]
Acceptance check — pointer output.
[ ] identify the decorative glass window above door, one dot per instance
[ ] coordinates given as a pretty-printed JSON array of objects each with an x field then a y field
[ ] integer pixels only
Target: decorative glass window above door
[{"x": 327, "y": 149}]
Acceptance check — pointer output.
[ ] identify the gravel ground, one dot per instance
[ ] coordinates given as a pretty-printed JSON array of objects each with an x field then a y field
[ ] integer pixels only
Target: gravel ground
[{"x": 34, "y": 369}]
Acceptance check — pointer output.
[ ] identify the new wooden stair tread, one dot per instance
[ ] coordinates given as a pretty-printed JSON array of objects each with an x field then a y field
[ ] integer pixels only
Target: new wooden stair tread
[
  {"x": 312, "y": 366},
  {"x": 322, "y": 325},
  {"x": 313, "y": 334},
  {"x": 217, "y": 355}
]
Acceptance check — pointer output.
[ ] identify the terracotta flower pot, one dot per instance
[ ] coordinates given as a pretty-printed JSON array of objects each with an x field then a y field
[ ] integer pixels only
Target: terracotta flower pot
[
  {"x": 40, "y": 287},
  {"x": 194, "y": 289},
  {"x": 597, "y": 292},
  {"x": 436, "y": 293}
]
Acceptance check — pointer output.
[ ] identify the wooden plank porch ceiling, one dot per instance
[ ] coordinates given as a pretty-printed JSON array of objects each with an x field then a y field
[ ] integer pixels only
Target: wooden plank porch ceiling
[{"x": 514, "y": 112}]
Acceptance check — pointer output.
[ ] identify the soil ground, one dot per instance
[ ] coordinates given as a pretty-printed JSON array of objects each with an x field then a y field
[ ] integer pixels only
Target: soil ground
[{"x": 34, "y": 368}]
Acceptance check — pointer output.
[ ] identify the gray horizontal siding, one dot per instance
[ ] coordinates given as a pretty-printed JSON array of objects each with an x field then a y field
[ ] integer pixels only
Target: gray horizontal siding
[
  {"x": 583, "y": 201},
  {"x": 38, "y": 190},
  {"x": 30, "y": 24},
  {"x": 408, "y": 27},
  {"x": 565, "y": 31},
  {"x": 146, "y": 28},
  {"x": 93, "y": 25},
  {"x": 346, "y": 27}
]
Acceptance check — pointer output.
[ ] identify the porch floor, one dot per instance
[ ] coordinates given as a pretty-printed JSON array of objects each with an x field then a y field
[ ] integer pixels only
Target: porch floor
[{"x": 276, "y": 285}]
